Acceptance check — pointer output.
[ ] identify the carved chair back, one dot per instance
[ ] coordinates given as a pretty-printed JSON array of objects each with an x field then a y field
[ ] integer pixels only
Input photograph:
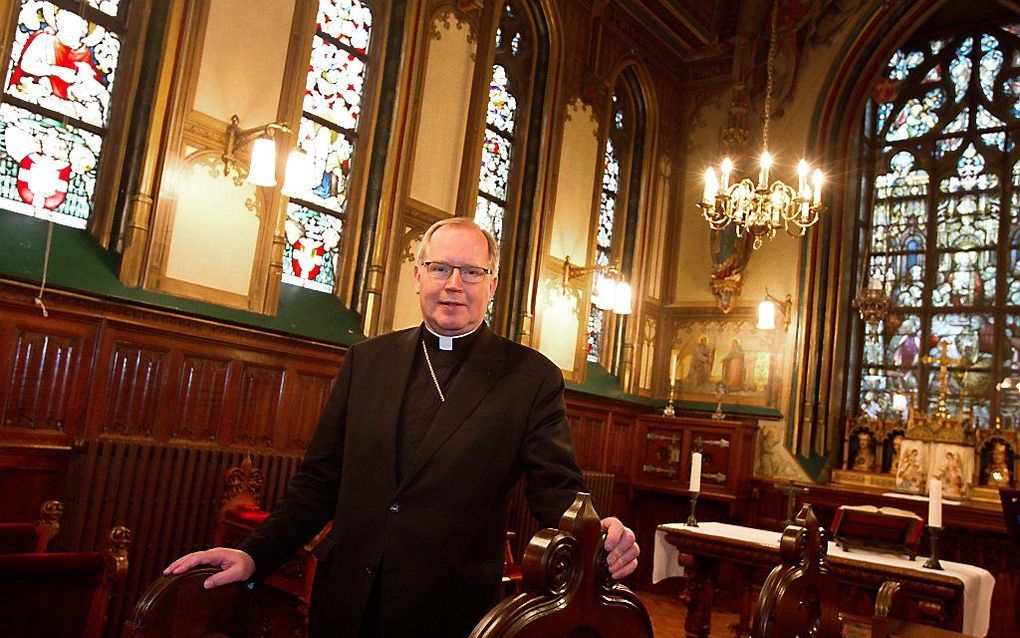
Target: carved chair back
[
  {"x": 180, "y": 607},
  {"x": 567, "y": 589},
  {"x": 799, "y": 597}
]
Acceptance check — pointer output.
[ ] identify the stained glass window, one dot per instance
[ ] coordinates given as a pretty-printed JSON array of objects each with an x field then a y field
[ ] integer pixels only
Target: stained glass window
[
  {"x": 57, "y": 96},
  {"x": 511, "y": 71},
  {"x": 943, "y": 235},
  {"x": 331, "y": 111},
  {"x": 616, "y": 160}
]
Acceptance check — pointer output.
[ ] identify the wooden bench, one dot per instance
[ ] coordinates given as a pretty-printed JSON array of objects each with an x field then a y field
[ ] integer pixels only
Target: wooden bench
[
  {"x": 29, "y": 538},
  {"x": 64, "y": 594}
]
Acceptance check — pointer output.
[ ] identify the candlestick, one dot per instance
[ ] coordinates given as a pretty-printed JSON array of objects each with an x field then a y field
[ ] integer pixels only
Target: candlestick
[
  {"x": 669, "y": 410},
  {"x": 692, "y": 520},
  {"x": 935, "y": 502},
  {"x": 933, "y": 537},
  {"x": 696, "y": 472}
]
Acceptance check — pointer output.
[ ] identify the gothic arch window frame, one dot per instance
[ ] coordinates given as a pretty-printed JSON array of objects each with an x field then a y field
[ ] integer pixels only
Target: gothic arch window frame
[
  {"x": 822, "y": 392},
  {"x": 954, "y": 105},
  {"x": 188, "y": 128},
  {"x": 622, "y": 250},
  {"x": 127, "y": 24},
  {"x": 363, "y": 134},
  {"x": 528, "y": 75}
]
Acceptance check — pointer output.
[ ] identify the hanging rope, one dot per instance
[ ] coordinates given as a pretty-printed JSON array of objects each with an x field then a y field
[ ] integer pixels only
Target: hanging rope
[{"x": 45, "y": 269}]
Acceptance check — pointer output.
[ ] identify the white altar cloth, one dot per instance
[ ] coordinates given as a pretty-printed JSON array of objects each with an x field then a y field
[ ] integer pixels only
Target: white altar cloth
[{"x": 978, "y": 583}]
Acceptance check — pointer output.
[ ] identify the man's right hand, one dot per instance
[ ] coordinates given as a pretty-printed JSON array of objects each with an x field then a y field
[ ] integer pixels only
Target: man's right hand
[{"x": 236, "y": 565}]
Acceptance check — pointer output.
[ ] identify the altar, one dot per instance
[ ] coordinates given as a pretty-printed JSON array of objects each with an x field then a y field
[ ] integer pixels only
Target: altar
[{"x": 957, "y": 597}]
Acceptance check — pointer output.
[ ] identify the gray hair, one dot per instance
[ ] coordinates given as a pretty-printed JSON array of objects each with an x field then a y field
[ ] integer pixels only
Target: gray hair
[{"x": 465, "y": 222}]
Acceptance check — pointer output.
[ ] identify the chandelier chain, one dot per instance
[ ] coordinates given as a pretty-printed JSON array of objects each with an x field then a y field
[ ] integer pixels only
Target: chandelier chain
[{"x": 769, "y": 73}]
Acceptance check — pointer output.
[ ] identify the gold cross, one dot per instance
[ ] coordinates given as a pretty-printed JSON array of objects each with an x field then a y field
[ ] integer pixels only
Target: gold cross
[{"x": 944, "y": 362}]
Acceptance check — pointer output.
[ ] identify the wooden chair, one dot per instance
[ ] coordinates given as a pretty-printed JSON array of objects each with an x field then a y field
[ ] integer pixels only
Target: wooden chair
[
  {"x": 65, "y": 594},
  {"x": 179, "y": 606},
  {"x": 799, "y": 596},
  {"x": 32, "y": 538},
  {"x": 567, "y": 588},
  {"x": 521, "y": 525},
  {"x": 284, "y": 598}
]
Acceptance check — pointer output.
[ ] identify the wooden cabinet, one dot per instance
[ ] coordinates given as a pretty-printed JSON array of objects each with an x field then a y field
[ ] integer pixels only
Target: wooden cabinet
[{"x": 663, "y": 448}]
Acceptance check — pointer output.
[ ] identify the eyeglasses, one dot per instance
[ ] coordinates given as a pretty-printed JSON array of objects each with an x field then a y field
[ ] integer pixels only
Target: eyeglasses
[{"x": 442, "y": 271}]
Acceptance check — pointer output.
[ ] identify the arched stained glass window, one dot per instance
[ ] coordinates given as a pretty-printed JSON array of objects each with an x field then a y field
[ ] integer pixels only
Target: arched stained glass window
[
  {"x": 506, "y": 119},
  {"x": 617, "y": 199},
  {"x": 330, "y": 115},
  {"x": 55, "y": 110},
  {"x": 943, "y": 227}
]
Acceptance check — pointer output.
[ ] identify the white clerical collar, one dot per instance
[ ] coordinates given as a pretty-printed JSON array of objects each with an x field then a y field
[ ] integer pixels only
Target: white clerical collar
[{"x": 445, "y": 342}]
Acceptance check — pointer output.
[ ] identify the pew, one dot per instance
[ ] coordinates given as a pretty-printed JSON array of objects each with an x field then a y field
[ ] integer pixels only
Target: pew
[
  {"x": 64, "y": 594},
  {"x": 567, "y": 589},
  {"x": 28, "y": 538}
]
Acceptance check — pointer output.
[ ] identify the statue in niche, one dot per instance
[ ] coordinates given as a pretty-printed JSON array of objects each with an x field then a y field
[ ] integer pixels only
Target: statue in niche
[
  {"x": 997, "y": 459},
  {"x": 892, "y": 452},
  {"x": 864, "y": 455}
]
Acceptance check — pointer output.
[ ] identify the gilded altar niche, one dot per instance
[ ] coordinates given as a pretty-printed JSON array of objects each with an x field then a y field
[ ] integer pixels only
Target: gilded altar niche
[{"x": 903, "y": 454}]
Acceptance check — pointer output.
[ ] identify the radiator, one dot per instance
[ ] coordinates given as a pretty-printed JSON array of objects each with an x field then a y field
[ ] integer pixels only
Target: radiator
[{"x": 168, "y": 496}]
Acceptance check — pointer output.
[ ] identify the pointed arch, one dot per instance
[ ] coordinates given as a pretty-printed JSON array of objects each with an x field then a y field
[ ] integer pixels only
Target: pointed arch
[{"x": 849, "y": 129}]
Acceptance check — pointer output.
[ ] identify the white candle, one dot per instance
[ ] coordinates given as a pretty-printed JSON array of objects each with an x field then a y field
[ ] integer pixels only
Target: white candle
[
  {"x": 727, "y": 166},
  {"x": 934, "y": 502},
  {"x": 711, "y": 187},
  {"x": 763, "y": 176},
  {"x": 818, "y": 179},
  {"x": 672, "y": 370},
  {"x": 696, "y": 472},
  {"x": 802, "y": 176}
]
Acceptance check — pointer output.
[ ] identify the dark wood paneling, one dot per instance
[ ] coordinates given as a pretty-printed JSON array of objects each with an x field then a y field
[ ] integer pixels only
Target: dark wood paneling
[
  {"x": 311, "y": 392},
  {"x": 201, "y": 393},
  {"x": 45, "y": 363},
  {"x": 258, "y": 406},
  {"x": 135, "y": 387}
]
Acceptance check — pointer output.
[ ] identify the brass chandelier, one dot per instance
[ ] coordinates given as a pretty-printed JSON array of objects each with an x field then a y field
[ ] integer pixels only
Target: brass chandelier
[{"x": 761, "y": 209}]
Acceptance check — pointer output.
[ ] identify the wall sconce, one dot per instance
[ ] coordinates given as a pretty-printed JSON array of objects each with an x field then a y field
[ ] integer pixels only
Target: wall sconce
[
  {"x": 262, "y": 169},
  {"x": 767, "y": 312},
  {"x": 612, "y": 292}
]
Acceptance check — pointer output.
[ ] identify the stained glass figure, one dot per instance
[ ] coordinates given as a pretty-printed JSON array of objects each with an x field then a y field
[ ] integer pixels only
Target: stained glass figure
[
  {"x": 47, "y": 169},
  {"x": 63, "y": 63},
  {"x": 328, "y": 133},
  {"x": 57, "y": 92},
  {"x": 917, "y": 117},
  {"x": 944, "y": 253},
  {"x": 312, "y": 248}
]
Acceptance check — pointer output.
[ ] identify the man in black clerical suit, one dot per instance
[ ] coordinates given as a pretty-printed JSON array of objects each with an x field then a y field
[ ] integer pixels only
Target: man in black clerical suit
[{"x": 425, "y": 433}]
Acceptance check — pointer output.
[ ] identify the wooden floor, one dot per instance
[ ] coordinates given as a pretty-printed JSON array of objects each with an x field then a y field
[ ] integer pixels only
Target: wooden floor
[{"x": 668, "y": 615}]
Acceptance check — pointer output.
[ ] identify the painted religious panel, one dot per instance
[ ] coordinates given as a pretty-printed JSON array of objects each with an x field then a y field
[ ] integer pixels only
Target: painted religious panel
[
  {"x": 727, "y": 353},
  {"x": 912, "y": 469},
  {"x": 954, "y": 466}
]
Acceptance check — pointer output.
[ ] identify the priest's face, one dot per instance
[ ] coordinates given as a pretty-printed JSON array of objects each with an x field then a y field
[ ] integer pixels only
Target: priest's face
[{"x": 453, "y": 306}]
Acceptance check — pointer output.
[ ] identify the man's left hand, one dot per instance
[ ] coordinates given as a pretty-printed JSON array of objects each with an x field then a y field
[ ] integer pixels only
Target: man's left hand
[{"x": 621, "y": 547}]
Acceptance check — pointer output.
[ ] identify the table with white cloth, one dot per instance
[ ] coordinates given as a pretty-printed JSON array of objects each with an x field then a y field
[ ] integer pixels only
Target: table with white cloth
[{"x": 958, "y": 597}]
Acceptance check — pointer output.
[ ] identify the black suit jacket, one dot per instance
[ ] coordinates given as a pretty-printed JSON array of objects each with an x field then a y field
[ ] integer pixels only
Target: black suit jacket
[{"x": 436, "y": 538}]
